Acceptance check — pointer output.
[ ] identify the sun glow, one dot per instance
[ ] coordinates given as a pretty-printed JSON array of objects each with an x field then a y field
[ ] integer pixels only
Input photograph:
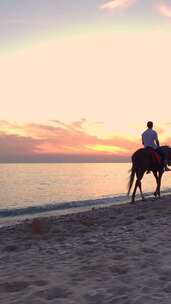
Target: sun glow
[{"x": 108, "y": 149}]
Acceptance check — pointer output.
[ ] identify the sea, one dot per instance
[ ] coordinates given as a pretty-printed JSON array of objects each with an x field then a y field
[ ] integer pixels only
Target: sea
[{"x": 35, "y": 190}]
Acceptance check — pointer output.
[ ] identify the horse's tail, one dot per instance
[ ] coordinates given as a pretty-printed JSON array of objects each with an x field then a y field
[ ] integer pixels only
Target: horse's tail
[{"x": 131, "y": 179}]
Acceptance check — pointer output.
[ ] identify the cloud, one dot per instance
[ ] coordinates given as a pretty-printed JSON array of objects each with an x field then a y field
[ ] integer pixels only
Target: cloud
[
  {"x": 60, "y": 142},
  {"x": 163, "y": 8},
  {"x": 17, "y": 145},
  {"x": 79, "y": 124},
  {"x": 116, "y": 4}
]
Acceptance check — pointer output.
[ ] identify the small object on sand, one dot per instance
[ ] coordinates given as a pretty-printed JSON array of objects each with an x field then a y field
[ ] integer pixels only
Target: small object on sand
[{"x": 36, "y": 226}]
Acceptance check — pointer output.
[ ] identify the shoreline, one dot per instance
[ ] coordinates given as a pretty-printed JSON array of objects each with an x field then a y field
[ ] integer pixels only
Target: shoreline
[
  {"x": 14, "y": 216},
  {"x": 118, "y": 254},
  {"x": 92, "y": 212}
]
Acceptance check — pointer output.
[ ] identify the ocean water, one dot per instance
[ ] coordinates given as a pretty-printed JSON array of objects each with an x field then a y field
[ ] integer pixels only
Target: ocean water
[{"x": 34, "y": 189}]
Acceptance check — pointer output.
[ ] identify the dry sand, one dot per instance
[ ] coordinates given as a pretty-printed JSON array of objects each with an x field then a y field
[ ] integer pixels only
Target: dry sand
[{"x": 120, "y": 254}]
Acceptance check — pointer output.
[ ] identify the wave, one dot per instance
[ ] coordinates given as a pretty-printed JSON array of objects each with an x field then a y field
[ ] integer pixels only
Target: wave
[
  {"x": 67, "y": 206},
  {"x": 31, "y": 210}
]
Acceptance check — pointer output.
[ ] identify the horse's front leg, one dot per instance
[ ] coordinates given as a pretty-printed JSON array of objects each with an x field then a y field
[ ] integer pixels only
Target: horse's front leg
[
  {"x": 158, "y": 177},
  {"x": 157, "y": 181}
]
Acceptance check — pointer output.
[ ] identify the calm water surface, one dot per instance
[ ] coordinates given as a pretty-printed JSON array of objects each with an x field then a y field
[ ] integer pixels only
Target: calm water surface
[{"x": 24, "y": 186}]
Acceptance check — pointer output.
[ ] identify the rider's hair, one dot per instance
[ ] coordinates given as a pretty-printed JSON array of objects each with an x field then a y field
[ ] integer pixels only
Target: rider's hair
[{"x": 150, "y": 124}]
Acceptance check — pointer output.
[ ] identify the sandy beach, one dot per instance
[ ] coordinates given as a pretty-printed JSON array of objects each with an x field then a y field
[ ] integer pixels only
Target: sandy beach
[{"x": 119, "y": 254}]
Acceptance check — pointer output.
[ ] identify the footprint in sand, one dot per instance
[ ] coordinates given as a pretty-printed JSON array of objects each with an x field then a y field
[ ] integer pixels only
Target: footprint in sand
[
  {"x": 119, "y": 269},
  {"x": 167, "y": 289},
  {"x": 10, "y": 248},
  {"x": 14, "y": 286},
  {"x": 53, "y": 293},
  {"x": 39, "y": 283}
]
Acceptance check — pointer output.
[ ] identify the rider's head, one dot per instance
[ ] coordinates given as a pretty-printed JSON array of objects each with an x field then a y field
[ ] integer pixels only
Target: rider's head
[{"x": 150, "y": 124}]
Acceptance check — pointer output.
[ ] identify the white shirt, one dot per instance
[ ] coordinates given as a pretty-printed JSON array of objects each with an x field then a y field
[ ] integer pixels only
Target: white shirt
[{"x": 149, "y": 138}]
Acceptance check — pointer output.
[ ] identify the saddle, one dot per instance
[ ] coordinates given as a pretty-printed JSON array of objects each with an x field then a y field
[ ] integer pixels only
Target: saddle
[{"x": 155, "y": 156}]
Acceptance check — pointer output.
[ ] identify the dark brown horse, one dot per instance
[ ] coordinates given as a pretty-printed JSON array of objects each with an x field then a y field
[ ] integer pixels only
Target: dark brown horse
[{"x": 147, "y": 160}]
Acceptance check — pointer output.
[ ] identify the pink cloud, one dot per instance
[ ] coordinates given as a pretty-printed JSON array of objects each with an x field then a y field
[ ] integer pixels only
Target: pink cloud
[
  {"x": 164, "y": 9},
  {"x": 17, "y": 145},
  {"x": 116, "y": 4},
  {"x": 39, "y": 140}
]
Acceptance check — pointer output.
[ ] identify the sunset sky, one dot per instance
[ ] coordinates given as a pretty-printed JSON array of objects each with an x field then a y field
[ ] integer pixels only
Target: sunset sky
[{"x": 80, "y": 79}]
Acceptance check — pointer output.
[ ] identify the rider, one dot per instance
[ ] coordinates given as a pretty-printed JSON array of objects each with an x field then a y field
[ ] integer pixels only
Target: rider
[{"x": 150, "y": 139}]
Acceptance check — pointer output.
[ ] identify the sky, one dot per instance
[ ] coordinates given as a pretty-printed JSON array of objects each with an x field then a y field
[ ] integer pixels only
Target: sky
[{"x": 80, "y": 79}]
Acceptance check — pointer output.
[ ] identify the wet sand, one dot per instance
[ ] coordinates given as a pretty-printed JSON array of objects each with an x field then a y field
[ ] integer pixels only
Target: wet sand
[{"x": 114, "y": 255}]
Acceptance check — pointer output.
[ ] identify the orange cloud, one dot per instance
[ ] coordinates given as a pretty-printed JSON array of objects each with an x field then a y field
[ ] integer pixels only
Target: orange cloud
[
  {"x": 116, "y": 4},
  {"x": 40, "y": 142},
  {"x": 164, "y": 9}
]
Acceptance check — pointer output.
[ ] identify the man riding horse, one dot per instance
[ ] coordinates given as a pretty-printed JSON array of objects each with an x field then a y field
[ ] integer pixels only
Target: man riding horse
[
  {"x": 150, "y": 141},
  {"x": 152, "y": 157}
]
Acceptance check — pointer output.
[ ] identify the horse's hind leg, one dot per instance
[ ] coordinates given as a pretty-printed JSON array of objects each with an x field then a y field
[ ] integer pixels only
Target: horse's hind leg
[
  {"x": 134, "y": 192},
  {"x": 158, "y": 177},
  {"x": 138, "y": 184},
  {"x": 142, "y": 195}
]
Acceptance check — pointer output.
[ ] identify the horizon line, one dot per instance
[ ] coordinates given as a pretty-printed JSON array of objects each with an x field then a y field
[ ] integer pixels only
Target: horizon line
[{"x": 65, "y": 162}]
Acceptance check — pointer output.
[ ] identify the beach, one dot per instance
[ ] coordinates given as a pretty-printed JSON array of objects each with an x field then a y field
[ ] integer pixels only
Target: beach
[{"x": 119, "y": 254}]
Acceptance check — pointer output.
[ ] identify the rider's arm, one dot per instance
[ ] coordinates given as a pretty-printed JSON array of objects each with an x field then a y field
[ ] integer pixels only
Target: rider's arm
[{"x": 157, "y": 142}]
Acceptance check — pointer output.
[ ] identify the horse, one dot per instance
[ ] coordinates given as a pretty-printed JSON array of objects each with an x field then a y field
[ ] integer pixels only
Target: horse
[{"x": 147, "y": 159}]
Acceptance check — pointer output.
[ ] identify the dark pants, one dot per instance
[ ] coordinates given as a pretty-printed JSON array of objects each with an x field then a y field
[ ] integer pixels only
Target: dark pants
[{"x": 161, "y": 152}]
